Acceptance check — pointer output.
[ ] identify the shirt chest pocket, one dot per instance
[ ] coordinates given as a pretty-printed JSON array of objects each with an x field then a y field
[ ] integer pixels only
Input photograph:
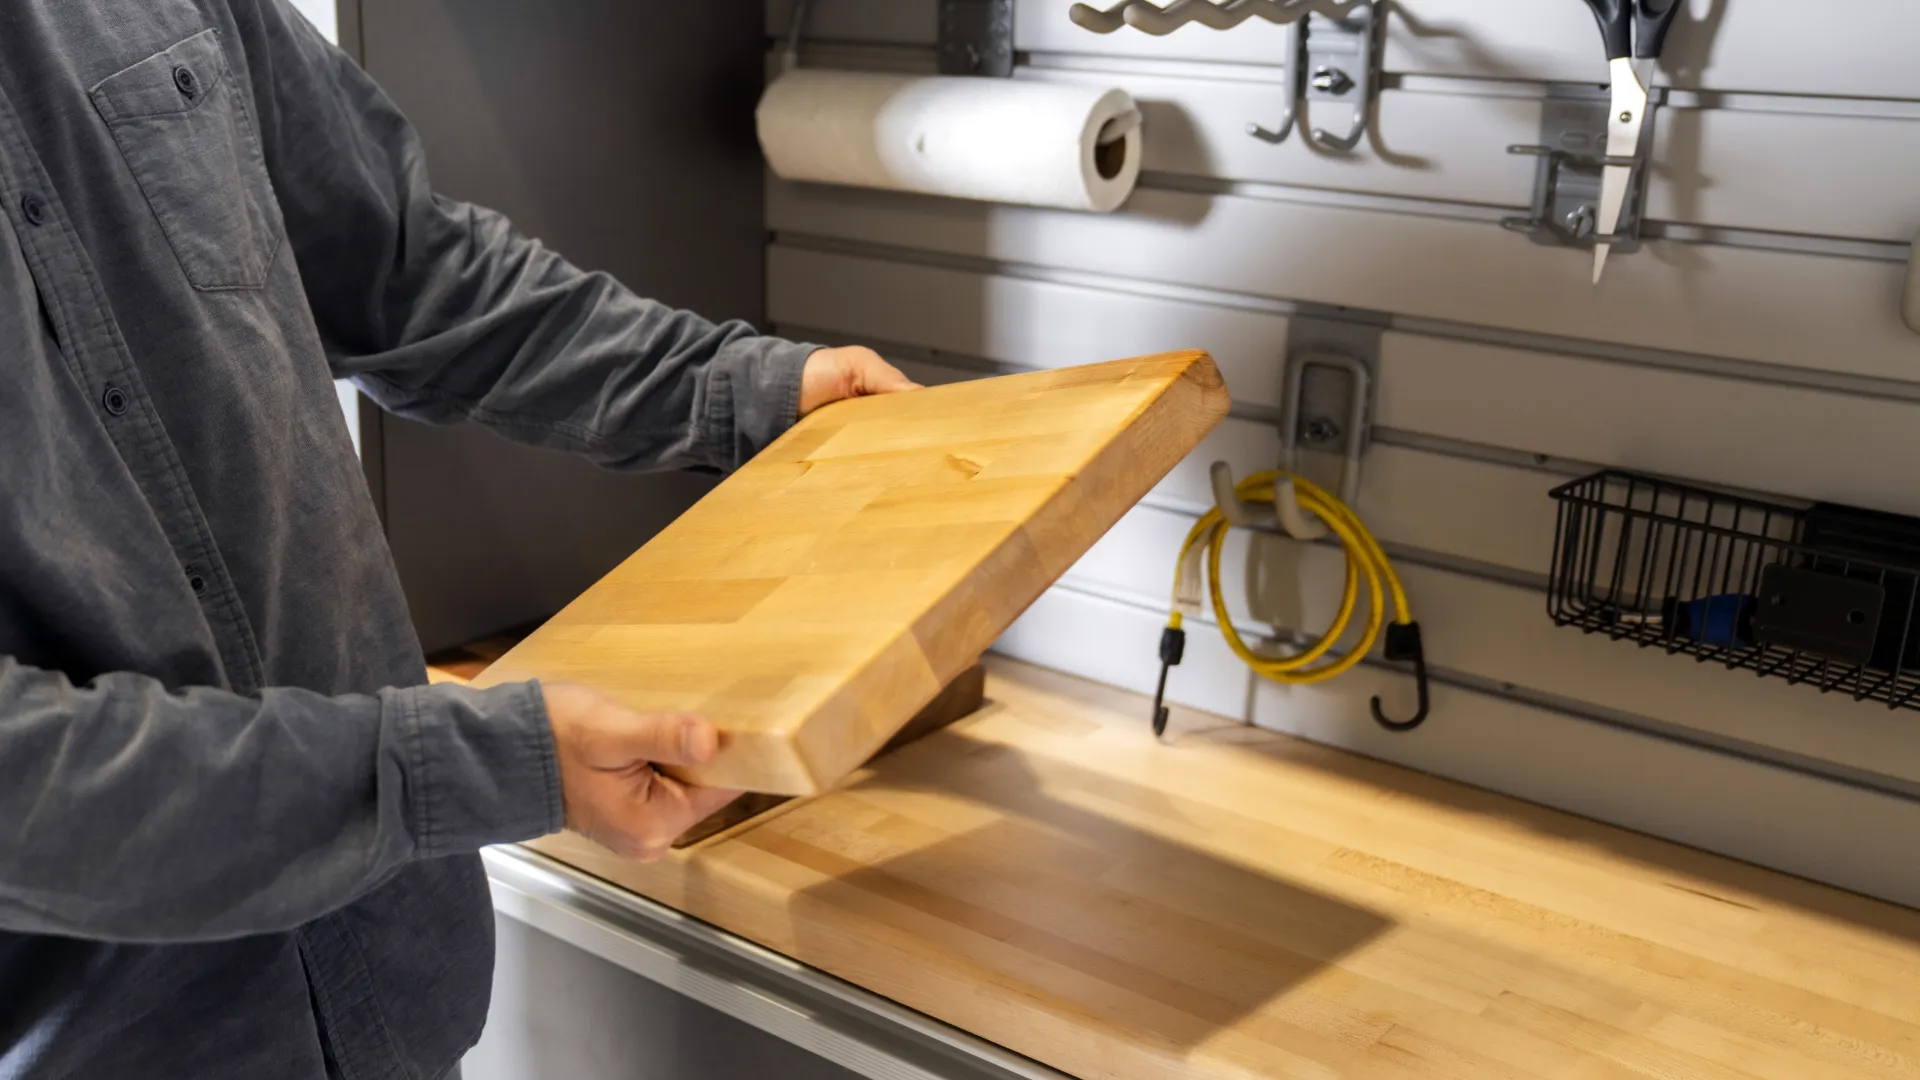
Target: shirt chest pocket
[{"x": 184, "y": 127}]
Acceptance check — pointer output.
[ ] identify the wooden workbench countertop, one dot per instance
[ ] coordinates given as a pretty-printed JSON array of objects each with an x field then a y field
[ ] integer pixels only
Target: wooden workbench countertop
[{"x": 1234, "y": 903}]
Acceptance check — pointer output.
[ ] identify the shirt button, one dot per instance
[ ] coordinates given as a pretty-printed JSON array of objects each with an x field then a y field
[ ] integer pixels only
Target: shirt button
[
  {"x": 33, "y": 208},
  {"x": 115, "y": 401},
  {"x": 196, "y": 582},
  {"x": 185, "y": 80}
]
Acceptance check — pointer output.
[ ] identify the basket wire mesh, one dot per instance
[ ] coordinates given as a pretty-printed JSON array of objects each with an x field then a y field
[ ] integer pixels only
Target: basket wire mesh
[{"x": 1818, "y": 595}]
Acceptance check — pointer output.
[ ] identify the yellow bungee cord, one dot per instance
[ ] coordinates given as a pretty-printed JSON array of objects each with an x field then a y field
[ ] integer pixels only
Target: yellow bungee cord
[{"x": 1366, "y": 564}]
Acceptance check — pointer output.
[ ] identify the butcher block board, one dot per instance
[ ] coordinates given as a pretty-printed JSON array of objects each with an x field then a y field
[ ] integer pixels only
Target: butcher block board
[
  {"x": 821, "y": 595},
  {"x": 1229, "y": 903}
]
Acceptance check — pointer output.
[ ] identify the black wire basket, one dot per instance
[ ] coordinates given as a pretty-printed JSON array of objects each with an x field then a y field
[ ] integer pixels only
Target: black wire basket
[{"x": 1823, "y": 595}]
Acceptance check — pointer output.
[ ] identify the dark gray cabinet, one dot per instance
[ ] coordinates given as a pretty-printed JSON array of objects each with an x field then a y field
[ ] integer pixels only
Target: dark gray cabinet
[{"x": 619, "y": 133}]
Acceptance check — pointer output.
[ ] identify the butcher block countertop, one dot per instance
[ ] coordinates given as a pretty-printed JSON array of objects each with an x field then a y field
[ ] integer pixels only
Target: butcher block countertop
[{"x": 1236, "y": 903}]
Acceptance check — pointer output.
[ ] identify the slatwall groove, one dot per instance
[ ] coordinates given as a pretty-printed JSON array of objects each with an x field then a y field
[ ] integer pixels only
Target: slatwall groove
[
  {"x": 1484, "y": 517},
  {"x": 1774, "y": 169},
  {"x": 1839, "y": 382},
  {"x": 1738, "y": 304},
  {"x": 1812, "y": 378},
  {"x": 1707, "y": 427}
]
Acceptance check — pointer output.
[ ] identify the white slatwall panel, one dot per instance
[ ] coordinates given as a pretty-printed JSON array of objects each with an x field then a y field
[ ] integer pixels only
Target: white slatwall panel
[
  {"x": 1739, "y": 165},
  {"x": 1716, "y": 362},
  {"x": 1765, "y": 437},
  {"x": 1794, "y": 310},
  {"x": 1768, "y": 815},
  {"x": 1808, "y": 173},
  {"x": 1429, "y": 146},
  {"x": 1769, "y": 437},
  {"x": 1845, "y": 176},
  {"x": 1486, "y": 629}
]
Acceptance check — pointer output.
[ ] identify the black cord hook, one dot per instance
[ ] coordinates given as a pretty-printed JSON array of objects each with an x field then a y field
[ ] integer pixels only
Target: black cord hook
[
  {"x": 1403, "y": 643},
  {"x": 1173, "y": 646}
]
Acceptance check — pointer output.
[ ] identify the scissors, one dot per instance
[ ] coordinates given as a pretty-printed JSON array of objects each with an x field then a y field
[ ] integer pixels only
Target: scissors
[{"x": 1633, "y": 30}]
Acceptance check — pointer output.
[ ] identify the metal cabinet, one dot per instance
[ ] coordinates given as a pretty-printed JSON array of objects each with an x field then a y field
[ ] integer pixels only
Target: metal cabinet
[{"x": 619, "y": 133}]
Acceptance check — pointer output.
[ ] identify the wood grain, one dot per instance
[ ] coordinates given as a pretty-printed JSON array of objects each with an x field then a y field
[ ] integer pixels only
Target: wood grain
[
  {"x": 962, "y": 697},
  {"x": 825, "y": 592},
  {"x": 1235, "y": 903}
]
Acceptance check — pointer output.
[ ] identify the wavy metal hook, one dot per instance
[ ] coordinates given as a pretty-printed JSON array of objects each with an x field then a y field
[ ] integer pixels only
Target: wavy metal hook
[{"x": 1149, "y": 18}]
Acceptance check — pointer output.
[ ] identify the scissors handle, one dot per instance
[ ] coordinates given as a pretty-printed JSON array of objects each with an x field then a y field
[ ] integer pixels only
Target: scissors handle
[
  {"x": 1616, "y": 25},
  {"x": 1651, "y": 26}
]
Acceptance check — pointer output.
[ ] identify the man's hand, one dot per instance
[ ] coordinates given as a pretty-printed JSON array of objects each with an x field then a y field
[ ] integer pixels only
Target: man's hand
[
  {"x": 853, "y": 371},
  {"x": 607, "y": 753}
]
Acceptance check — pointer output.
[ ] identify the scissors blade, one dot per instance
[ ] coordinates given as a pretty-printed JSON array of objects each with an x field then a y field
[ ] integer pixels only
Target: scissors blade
[{"x": 1623, "y": 140}]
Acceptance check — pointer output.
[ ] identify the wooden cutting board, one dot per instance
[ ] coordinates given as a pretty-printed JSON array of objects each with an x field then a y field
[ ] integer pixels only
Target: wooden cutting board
[{"x": 825, "y": 592}]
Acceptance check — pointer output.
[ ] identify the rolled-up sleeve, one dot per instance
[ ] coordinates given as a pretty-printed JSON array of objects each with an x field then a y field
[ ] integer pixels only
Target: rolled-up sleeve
[
  {"x": 132, "y": 813},
  {"x": 439, "y": 310}
]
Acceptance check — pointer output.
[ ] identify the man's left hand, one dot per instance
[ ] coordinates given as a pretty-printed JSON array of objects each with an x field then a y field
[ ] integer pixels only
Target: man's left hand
[{"x": 831, "y": 375}]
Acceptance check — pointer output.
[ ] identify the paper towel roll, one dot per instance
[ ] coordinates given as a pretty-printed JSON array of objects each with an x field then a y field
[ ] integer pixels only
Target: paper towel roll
[{"x": 1000, "y": 140}]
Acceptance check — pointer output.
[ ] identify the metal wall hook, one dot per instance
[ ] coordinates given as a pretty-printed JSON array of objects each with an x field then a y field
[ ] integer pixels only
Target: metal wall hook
[
  {"x": 1284, "y": 513},
  {"x": 1149, "y": 18},
  {"x": 1332, "y": 39},
  {"x": 1339, "y": 52},
  {"x": 1343, "y": 143},
  {"x": 1293, "y": 82},
  {"x": 1277, "y": 135},
  {"x": 1331, "y": 411}
]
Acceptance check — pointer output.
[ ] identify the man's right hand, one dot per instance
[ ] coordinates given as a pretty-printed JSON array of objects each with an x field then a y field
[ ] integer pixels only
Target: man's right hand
[{"x": 613, "y": 794}]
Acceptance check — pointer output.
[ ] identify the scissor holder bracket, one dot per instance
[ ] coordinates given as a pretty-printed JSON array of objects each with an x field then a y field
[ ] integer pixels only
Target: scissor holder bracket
[{"x": 1567, "y": 181}]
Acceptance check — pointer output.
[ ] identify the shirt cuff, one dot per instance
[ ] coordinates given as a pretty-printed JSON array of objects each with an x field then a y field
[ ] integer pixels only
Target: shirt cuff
[
  {"x": 481, "y": 767},
  {"x": 760, "y": 377}
]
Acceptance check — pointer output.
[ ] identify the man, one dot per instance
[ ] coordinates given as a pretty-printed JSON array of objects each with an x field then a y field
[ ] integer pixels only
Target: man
[{"x": 237, "y": 832}]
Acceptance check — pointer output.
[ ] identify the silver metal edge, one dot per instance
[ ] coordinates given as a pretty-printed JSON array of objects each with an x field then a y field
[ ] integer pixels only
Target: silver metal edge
[{"x": 828, "y": 1016}]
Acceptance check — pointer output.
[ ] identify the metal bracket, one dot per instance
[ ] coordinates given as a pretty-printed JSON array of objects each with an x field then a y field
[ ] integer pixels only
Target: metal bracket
[
  {"x": 1296, "y": 66},
  {"x": 1340, "y": 70},
  {"x": 1910, "y": 310},
  {"x": 976, "y": 37},
  {"x": 1566, "y": 187},
  {"x": 1325, "y": 425}
]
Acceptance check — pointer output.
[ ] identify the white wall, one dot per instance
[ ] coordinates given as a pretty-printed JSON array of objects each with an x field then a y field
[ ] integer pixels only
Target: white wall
[
  {"x": 325, "y": 18},
  {"x": 1759, "y": 345},
  {"x": 322, "y": 14}
]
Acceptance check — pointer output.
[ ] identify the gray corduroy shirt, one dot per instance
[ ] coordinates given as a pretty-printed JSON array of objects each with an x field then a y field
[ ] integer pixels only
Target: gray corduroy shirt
[{"x": 237, "y": 832}]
